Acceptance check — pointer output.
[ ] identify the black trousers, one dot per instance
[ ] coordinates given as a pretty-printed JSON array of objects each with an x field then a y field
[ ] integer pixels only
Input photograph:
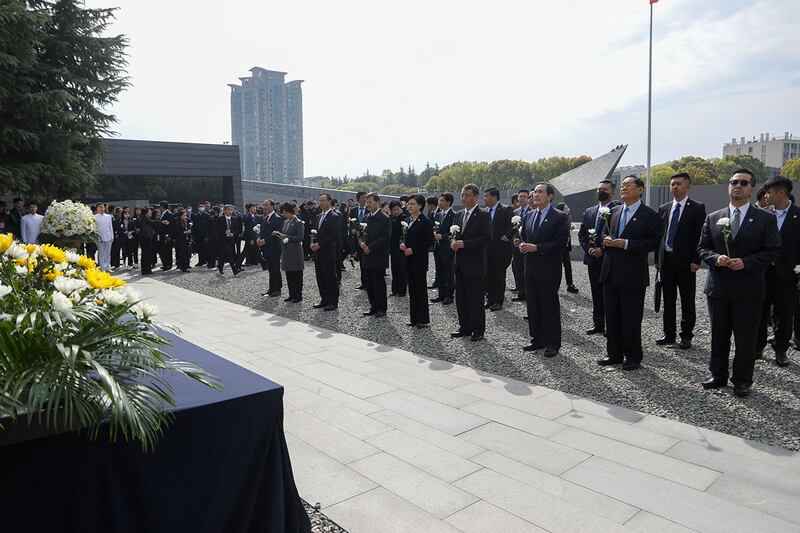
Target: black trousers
[
  {"x": 227, "y": 254},
  {"x": 418, "y": 297},
  {"x": 544, "y": 311},
  {"x": 779, "y": 305},
  {"x": 399, "y": 277},
  {"x": 272, "y": 261},
  {"x": 165, "y": 253},
  {"x": 742, "y": 319},
  {"x": 446, "y": 279},
  {"x": 201, "y": 245},
  {"x": 624, "y": 312},
  {"x": 147, "y": 255},
  {"x": 130, "y": 251},
  {"x": 183, "y": 253},
  {"x": 375, "y": 282},
  {"x": 437, "y": 261},
  {"x": 469, "y": 304},
  {"x": 674, "y": 281},
  {"x": 496, "y": 278},
  {"x": 566, "y": 260},
  {"x": 251, "y": 254},
  {"x": 598, "y": 301},
  {"x": 325, "y": 270},
  {"x": 212, "y": 252},
  {"x": 518, "y": 269},
  {"x": 294, "y": 279},
  {"x": 116, "y": 251}
]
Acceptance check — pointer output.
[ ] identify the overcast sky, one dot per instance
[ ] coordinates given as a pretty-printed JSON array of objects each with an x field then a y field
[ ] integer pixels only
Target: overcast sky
[{"x": 388, "y": 84}]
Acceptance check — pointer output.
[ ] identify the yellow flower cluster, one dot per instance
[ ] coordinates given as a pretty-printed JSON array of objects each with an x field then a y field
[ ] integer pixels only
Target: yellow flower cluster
[
  {"x": 6, "y": 240},
  {"x": 102, "y": 280}
]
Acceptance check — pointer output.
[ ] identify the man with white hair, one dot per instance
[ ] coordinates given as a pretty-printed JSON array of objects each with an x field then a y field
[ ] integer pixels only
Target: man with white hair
[{"x": 105, "y": 230}]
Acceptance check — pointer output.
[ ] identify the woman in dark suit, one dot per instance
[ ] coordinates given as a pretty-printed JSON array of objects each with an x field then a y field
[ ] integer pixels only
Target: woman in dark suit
[
  {"x": 182, "y": 237},
  {"x": 292, "y": 257},
  {"x": 398, "y": 258},
  {"x": 147, "y": 232},
  {"x": 415, "y": 245}
]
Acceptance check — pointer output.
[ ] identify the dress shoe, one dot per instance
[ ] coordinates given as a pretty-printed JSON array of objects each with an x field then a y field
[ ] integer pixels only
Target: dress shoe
[
  {"x": 437, "y": 300},
  {"x": 330, "y": 307},
  {"x": 514, "y": 289},
  {"x": 496, "y": 307},
  {"x": 380, "y": 314},
  {"x": 573, "y": 289},
  {"x": 289, "y": 299},
  {"x": 518, "y": 299},
  {"x": 663, "y": 341},
  {"x": 275, "y": 293},
  {"x": 236, "y": 272},
  {"x": 770, "y": 339},
  {"x": 361, "y": 288},
  {"x": 781, "y": 359},
  {"x": 715, "y": 383},
  {"x": 266, "y": 294},
  {"x": 320, "y": 305},
  {"x": 369, "y": 313},
  {"x": 741, "y": 390},
  {"x": 607, "y": 361},
  {"x": 447, "y": 301},
  {"x": 297, "y": 300},
  {"x": 525, "y": 317},
  {"x": 432, "y": 286},
  {"x": 595, "y": 330},
  {"x": 631, "y": 365},
  {"x": 533, "y": 347},
  {"x": 487, "y": 306},
  {"x": 457, "y": 334},
  {"x": 759, "y": 355},
  {"x": 550, "y": 352},
  {"x": 476, "y": 337},
  {"x": 685, "y": 344},
  {"x": 410, "y": 324},
  {"x": 423, "y": 326}
]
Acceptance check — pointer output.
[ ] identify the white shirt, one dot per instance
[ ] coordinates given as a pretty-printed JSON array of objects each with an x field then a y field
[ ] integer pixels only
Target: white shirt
[
  {"x": 780, "y": 214},
  {"x": 631, "y": 212},
  {"x": 680, "y": 214},
  {"x": 467, "y": 217},
  {"x": 742, "y": 212},
  {"x": 104, "y": 227},
  {"x": 31, "y": 227}
]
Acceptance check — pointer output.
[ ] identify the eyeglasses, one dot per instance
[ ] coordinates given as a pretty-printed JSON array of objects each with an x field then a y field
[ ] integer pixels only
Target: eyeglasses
[{"x": 743, "y": 183}]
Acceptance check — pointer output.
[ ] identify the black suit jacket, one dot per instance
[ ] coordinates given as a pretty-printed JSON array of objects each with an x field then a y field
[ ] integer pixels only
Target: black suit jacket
[
  {"x": 501, "y": 227},
  {"x": 329, "y": 235},
  {"x": 222, "y": 226},
  {"x": 629, "y": 267},
  {"x": 790, "y": 246},
  {"x": 378, "y": 234},
  {"x": 757, "y": 244},
  {"x": 684, "y": 247},
  {"x": 272, "y": 244},
  {"x": 445, "y": 221},
  {"x": 471, "y": 260},
  {"x": 249, "y": 222},
  {"x": 419, "y": 238},
  {"x": 550, "y": 239},
  {"x": 588, "y": 222}
]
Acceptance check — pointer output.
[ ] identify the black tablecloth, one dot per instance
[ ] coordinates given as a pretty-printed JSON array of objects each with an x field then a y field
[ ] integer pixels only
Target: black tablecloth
[{"x": 221, "y": 466}]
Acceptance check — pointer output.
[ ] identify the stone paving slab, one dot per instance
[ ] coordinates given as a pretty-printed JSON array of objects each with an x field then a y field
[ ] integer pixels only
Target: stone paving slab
[{"x": 386, "y": 440}]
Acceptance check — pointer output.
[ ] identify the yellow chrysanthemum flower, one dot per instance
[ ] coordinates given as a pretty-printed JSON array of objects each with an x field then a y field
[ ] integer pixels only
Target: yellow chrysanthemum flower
[
  {"x": 52, "y": 274},
  {"x": 6, "y": 240},
  {"x": 54, "y": 253},
  {"x": 102, "y": 280},
  {"x": 31, "y": 248},
  {"x": 86, "y": 263}
]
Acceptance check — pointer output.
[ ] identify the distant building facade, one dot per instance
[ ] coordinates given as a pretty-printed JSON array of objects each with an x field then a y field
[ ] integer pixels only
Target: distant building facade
[
  {"x": 771, "y": 150},
  {"x": 267, "y": 125}
]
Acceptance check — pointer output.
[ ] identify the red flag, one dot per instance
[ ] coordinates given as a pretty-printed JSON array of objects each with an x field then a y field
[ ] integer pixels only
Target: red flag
[{"x": 653, "y": 1}]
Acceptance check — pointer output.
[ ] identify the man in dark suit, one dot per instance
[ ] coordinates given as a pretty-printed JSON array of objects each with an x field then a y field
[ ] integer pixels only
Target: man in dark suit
[
  {"x": 634, "y": 231},
  {"x": 589, "y": 237},
  {"x": 738, "y": 243},
  {"x": 251, "y": 254},
  {"x": 165, "y": 236},
  {"x": 360, "y": 213},
  {"x": 781, "y": 278},
  {"x": 517, "y": 258},
  {"x": 677, "y": 259},
  {"x": 270, "y": 247},
  {"x": 375, "y": 255},
  {"x": 499, "y": 248},
  {"x": 229, "y": 230},
  {"x": 200, "y": 229},
  {"x": 470, "y": 247},
  {"x": 326, "y": 240},
  {"x": 543, "y": 238},
  {"x": 14, "y": 218},
  {"x": 442, "y": 252}
]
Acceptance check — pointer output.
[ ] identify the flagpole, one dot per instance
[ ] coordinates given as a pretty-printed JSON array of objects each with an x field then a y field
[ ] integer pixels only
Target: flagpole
[{"x": 649, "y": 104}]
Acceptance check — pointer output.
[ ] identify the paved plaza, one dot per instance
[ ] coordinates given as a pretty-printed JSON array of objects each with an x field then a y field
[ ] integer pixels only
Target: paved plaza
[{"x": 387, "y": 440}]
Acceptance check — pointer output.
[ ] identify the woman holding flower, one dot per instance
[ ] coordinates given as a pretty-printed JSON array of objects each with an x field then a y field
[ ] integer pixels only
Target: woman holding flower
[
  {"x": 417, "y": 240},
  {"x": 292, "y": 259}
]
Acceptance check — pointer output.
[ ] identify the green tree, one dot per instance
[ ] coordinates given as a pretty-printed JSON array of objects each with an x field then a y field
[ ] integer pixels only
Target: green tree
[
  {"x": 659, "y": 174},
  {"x": 792, "y": 169},
  {"x": 57, "y": 75}
]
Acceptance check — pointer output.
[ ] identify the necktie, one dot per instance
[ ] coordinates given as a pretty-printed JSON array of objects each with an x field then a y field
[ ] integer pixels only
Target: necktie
[
  {"x": 735, "y": 221},
  {"x": 321, "y": 219},
  {"x": 536, "y": 221},
  {"x": 598, "y": 224},
  {"x": 623, "y": 220},
  {"x": 360, "y": 215},
  {"x": 673, "y": 225},
  {"x": 228, "y": 222},
  {"x": 493, "y": 209},
  {"x": 466, "y": 217}
]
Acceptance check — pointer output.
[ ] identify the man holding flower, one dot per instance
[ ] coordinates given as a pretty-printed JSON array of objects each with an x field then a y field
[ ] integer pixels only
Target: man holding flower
[{"x": 738, "y": 243}]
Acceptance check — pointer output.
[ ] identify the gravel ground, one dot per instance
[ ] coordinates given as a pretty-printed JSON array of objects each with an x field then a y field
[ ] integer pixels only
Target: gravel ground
[
  {"x": 321, "y": 523},
  {"x": 668, "y": 384}
]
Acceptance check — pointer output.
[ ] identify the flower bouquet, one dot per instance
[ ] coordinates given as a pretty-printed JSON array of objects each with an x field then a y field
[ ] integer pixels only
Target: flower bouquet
[
  {"x": 313, "y": 236},
  {"x": 78, "y": 348},
  {"x": 516, "y": 222},
  {"x": 68, "y": 224},
  {"x": 362, "y": 233},
  {"x": 605, "y": 214},
  {"x": 404, "y": 232},
  {"x": 725, "y": 222}
]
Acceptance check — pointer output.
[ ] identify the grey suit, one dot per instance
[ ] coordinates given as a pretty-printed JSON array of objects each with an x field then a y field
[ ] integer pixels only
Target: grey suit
[{"x": 292, "y": 256}]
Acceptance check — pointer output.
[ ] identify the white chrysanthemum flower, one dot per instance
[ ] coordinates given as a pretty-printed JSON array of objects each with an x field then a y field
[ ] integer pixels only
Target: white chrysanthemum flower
[
  {"x": 144, "y": 310},
  {"x": 21, "y": 270},
  {"x": 797, "y": 269},
  {"x": 353, "y": 220},
  {"x": 61, "y": 267},
  {"x": 313, "y": 232},
  {"x": 724, "y": 221},
  {"x": 131, "y": 295},
  {"x": 592, "y": 231},
  {"x": 113, "y": 297},
  {"x": 15, "y": 251},
  {"x": 61, "y": 303},
  {"x": 605, "y": 210},
  {"x": 4, "y": 290},
  {"x": 363, "y": 224},
  {"x": 5, "y": 316},
  {"x": 286, "y": 240},
  {"x": 454, "y": 229},
  {"x": 516, "y": 219},
  {"x": 72, "y": 257},
  {"x": 67, "y": 285},
  {"x": 404, "y": 223}
]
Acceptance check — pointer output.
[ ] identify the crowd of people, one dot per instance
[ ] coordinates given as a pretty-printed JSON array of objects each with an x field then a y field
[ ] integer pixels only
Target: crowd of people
[{"x": 751, "y": 251}]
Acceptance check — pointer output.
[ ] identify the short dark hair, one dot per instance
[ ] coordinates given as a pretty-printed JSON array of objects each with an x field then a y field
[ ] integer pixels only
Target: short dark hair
[
  {"x": 471, "y": 187},
  {"x": 31, "y": 202},
  {"x": 270, "y": 202},
  {"x": 524, "y": 190},
  {"x": 359, "y": 194},
  {"x": 745, "y": 170},
  {"x": 492, "y": 191},
  {"x": 684, "y": 175},
  {"x": 163, "y": 203},
  {"x": 448, "y": 197},
  {"x": 374, "y": 196},
  {"x": 560, "y": 206},
  {"x": 394, "y": 203},
  {"x": 636, "y": 179},
  {"x": 761, "y": 193},
  {"x": 432, "y": 200},
  {"x": 404, "y": 198},
  {"x": 514, "y": 198},
  {"x": 327, "y": 196},
  {"x": 608, "y": 181},
  {"x": 779, "y": 181},
  {"x": 17, "y": 199},
  {"x": 288, "y": 207},
  {"x": 549, "y": 188},
  {"x": 418, "y": 198},
  {"x": 249, "y": 205}
]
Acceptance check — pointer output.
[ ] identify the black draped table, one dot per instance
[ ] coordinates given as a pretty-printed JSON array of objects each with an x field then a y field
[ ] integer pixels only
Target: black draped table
[{"x": 221, "y": 466}]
